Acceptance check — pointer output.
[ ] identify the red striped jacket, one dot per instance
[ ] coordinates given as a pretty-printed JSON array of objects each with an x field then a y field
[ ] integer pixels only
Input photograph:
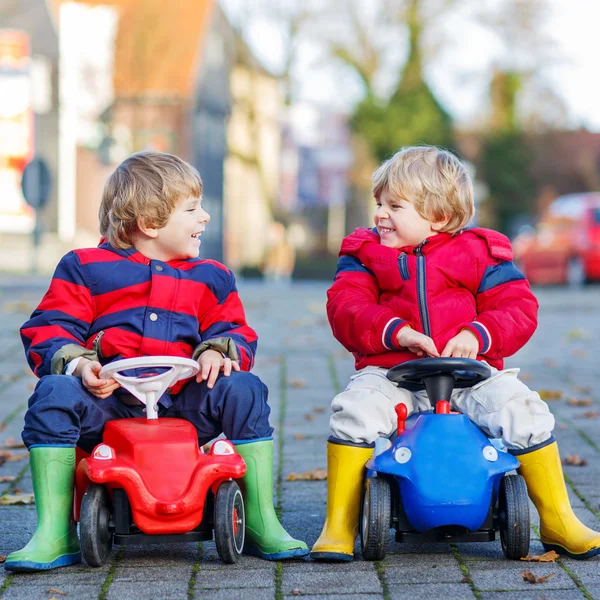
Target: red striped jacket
[
  {"x": 106, "y": 304},
  {"x": 448, "y": 283}
]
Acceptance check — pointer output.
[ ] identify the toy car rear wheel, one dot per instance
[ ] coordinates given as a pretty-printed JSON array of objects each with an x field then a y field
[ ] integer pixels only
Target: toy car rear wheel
[
  {"x": 230, "y": 522},
  {"x": 96, "y": 537},
  {"x": 375, "y": 518},
  {"x": 513, "y": 517}
]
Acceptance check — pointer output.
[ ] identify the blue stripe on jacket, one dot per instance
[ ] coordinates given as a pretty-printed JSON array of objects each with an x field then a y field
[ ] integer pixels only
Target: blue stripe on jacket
[
  {"x": 499, "y": 274},
  {"x": 351, "y": 264}
]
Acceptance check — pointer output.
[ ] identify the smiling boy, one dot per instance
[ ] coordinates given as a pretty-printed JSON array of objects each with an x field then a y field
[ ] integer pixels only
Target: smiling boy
[{"x": 143, "y": 292}]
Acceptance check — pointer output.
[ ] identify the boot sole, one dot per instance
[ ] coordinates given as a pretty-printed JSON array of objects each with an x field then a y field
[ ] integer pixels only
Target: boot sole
[
  {"x": 285, "y": 554},
  {"x": 564, "y": 552},
  {"x": 332, "y": 556},
  {"x": 28, "y": 566}
]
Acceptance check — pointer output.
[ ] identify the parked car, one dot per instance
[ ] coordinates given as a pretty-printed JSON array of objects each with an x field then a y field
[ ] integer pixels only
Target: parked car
[{"x": 564, "y": 247}]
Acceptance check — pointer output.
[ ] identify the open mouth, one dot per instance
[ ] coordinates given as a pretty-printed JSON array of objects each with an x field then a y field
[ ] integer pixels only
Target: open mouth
[
  {"x": 197, "y": 235},
  {"x": 385, "y": 229}
]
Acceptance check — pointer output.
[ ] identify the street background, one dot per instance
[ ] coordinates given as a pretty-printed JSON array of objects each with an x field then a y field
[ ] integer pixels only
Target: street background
[{"x": 304, "y": 367}]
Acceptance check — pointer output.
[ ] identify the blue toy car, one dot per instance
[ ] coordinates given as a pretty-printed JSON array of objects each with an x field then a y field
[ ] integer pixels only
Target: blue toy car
[{"x": 442, "y": 480}]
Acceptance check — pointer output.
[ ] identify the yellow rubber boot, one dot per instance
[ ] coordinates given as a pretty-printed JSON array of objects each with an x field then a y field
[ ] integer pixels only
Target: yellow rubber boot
[
  {"x": 345, "y": 477},
  {"x": 560, "y": 529}
]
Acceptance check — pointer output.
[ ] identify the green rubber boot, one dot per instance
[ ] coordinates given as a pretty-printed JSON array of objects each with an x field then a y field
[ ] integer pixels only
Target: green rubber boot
[
  {"x": 265, "y": 537},
  {"x": 55, "y": 542}
]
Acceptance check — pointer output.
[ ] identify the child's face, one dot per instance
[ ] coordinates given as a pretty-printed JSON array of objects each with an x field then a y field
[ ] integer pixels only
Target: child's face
[
  {"x": 180, "y": 237},
  {"x": 399, "y": 224}
]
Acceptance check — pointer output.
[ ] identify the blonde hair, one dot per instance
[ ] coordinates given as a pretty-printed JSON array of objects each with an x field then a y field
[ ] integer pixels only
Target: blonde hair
[
  {"x": 434, "y": 180},
  {"x": 145, "y": 186}
]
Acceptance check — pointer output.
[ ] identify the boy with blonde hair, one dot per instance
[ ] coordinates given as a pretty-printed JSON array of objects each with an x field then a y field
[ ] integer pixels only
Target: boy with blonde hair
[
  {"x": 422, "y": 284},
  {"x": 142, "y": 292}
]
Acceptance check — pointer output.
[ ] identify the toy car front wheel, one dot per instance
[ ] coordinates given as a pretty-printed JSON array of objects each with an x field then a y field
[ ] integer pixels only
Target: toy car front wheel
[
  {"x": 230, "y": 522},
  {"x": 96, "y": 537},
  {"x": 375, "y": 518},
  {"x": 513, "y": 517}
]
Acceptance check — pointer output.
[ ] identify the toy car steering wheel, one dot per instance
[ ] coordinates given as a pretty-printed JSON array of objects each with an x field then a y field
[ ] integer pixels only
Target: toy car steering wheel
[
  {"x": 149, "y": 389},
  {"x": 466, "y": 372}
]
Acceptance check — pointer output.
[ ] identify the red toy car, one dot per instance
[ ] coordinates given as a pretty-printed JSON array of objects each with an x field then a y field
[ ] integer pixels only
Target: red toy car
[
  {"x": 564, "y": 247},
  {"x": 148, "y": 481}
]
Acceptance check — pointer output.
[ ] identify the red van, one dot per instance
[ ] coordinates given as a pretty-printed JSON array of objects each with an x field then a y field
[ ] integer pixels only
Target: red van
[{"x": 564, "y": 247}]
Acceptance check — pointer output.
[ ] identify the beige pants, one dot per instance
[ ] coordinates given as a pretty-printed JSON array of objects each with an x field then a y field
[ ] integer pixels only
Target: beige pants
[{"x": 502, "y": 406}]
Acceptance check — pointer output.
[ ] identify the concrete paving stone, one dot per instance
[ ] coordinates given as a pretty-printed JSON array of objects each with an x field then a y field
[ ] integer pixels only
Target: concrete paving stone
[
  {"x": 329, "y": 582},
  {"x": 244, "y": 594},
  {"x": 534, "y": 594},
  {"x": 153, "y": 573},
  {"x": 81, "y": 591},
  {"x": 339, "y": 594},
  {"x": 160, "y": 554},
  {"x": 309, "y": 566},
  {"x": 63, "y": 576},
  {"x": 211, "y": 579},
  {"x": 9, "y": 542},
  {"x": 404, "y": 561},
  {"x": 493, "y": 550},
  {"x": 159, "y": 590},
  {"x": 437, "y": 548},
  {"x": 210, "y": 560},
  {"x": 453, "y": 591},
  {"x": 423, "y": 574},
  {"x": 487, "y": 576},
  {"x": 588, "y": 571}
]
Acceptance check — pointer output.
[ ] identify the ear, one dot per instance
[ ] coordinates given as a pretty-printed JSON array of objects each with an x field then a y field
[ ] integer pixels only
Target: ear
[
  {"x": 151, "y": 232},
  {"x": 439, "y": 225}
]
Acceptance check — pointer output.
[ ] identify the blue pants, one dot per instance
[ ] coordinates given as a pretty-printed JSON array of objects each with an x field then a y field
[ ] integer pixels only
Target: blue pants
[{"x": 62, "y": 412}]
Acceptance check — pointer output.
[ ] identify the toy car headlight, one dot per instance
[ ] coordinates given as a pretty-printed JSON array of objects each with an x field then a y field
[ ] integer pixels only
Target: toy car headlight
[
  {"x": 222, "y": 447},
  {"x": 103, "y": 452},
  {"x": 490, "y": 453},
  {"x": 402, "y": 455}
]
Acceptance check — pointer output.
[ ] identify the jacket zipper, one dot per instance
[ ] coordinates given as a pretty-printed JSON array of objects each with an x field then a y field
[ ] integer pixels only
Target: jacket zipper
[
  {"x": 403, "y": 267},
  {"x": 422, "y": 289}
]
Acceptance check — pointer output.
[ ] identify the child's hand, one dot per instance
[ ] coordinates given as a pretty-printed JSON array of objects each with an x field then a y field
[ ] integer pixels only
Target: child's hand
[
  {"x": 211, "y": 364},
  {"x": 416, "y": 342},
  {"x": 89, "y": 370},
  {"x": 463, "y": 345}
]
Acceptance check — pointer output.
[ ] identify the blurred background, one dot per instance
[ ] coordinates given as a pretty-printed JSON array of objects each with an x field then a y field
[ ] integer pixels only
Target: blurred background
[{"x": 287, "y": 106}]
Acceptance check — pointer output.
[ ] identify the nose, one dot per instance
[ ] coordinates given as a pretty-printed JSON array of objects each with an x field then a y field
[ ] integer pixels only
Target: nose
[
  {"x": 203, "y": 216},
  {"x": 381, "y": 213}
]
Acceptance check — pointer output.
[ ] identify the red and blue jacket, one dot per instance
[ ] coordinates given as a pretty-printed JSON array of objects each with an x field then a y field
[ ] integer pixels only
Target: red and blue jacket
[
  {"x": 448, "y": 283},
  {"x": 106, "y": 304}
]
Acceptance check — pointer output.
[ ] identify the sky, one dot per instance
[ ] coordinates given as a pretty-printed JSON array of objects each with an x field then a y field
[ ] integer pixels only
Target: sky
[{"x": 458, "y": 76}]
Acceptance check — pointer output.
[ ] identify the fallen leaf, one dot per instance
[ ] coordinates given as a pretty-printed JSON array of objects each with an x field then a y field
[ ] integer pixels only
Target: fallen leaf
[
  {"x": 574, "y": 460},
  {"x": 548, "y": 557},
  {"x": 578, "y": 334},
  {"x": 590, "y": 414},
  {"x": 17, "y": 491},
  {"x": 466, "y": 579},
  {"x": 550, "y": 394},
  {"x": 580, "y": 401},
  {"x": 528, "y": 576},
  {"x": 312, "y": 475},
  {"x": 11, "y": 442},
  {"x": 299, "y": 436},
  {"x": 9, "y": 456},
  {"x": 309, "y": 417},
  {"x": 16, "y": 499},
  {"x": 319, "y": 409},
  {"x": 2, "y": 559},
  {"x": 582, "y": 389},
  {"x": 6, "y": 478},
  {"x": 2, "y": 427},
  {"x": 296, "y": 383},
  {"x": 55, "y": 591},
  {"x": 297, "y": 592}
]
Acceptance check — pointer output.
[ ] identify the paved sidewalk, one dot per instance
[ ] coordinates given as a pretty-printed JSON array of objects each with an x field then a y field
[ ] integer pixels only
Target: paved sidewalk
[{"x": 304, "y": 367}]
